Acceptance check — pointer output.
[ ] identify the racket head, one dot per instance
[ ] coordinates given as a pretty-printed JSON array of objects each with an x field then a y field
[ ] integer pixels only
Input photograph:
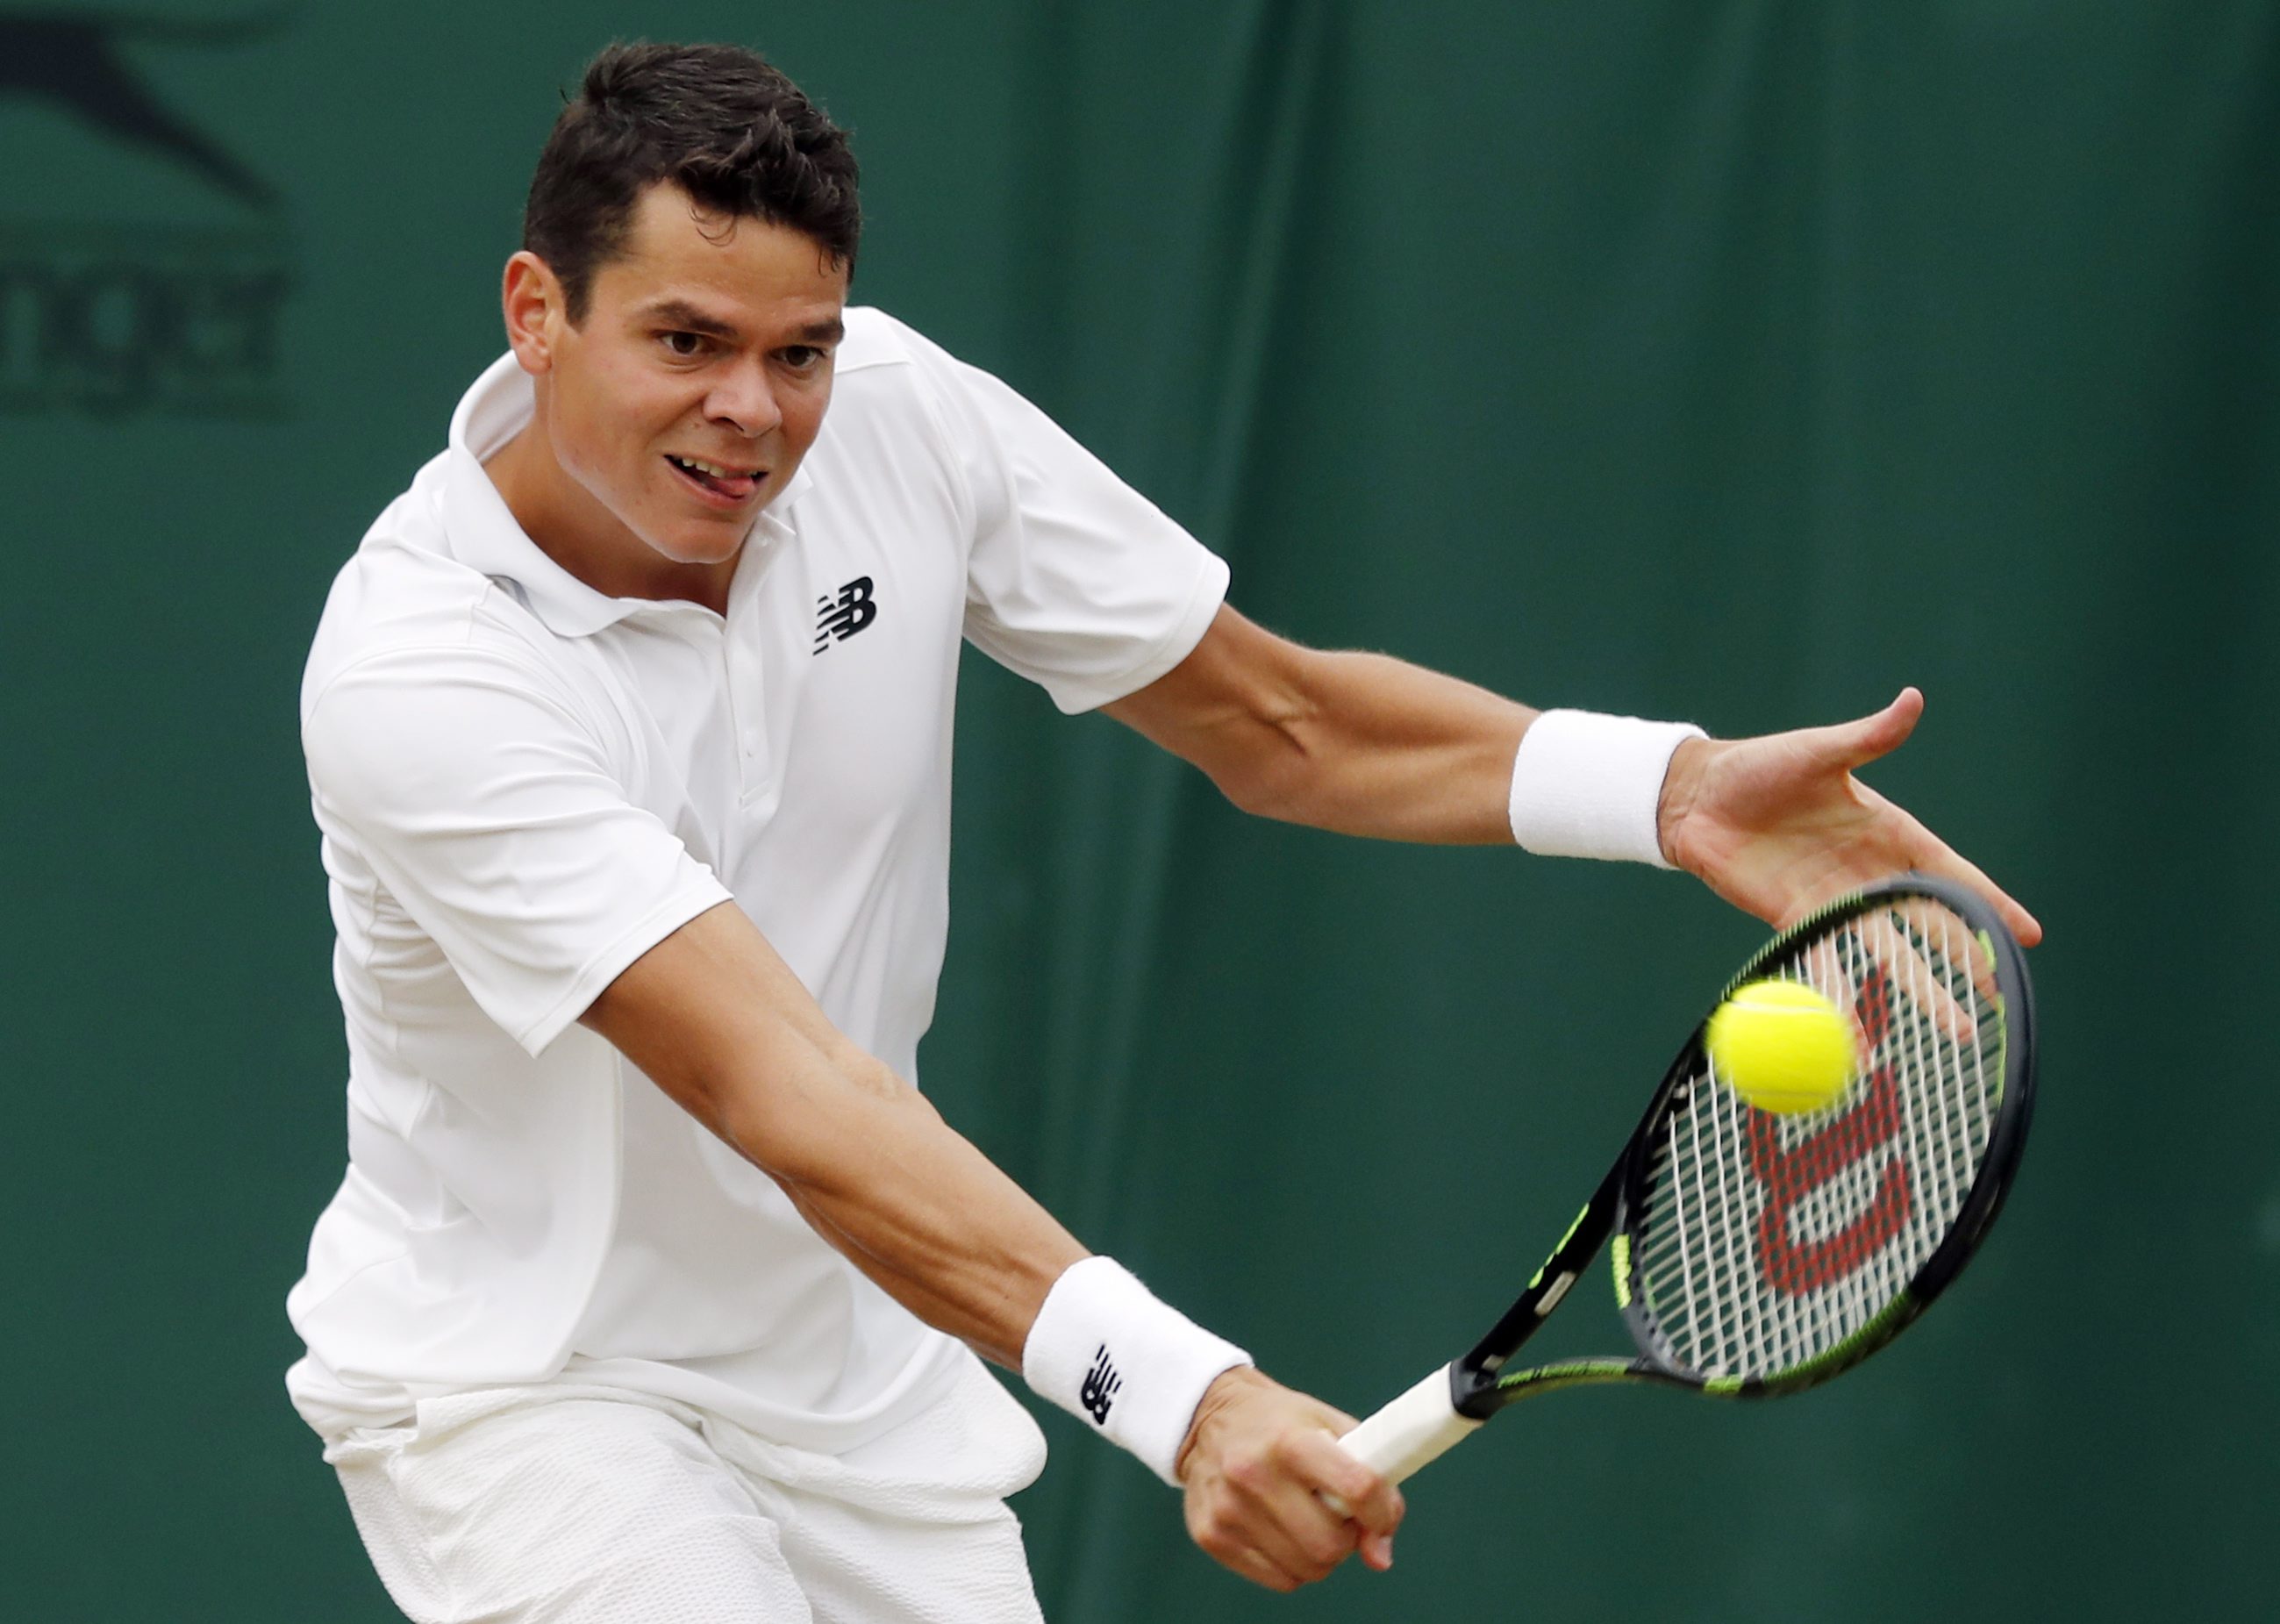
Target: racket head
[{"x": 1756, "y": 1253}]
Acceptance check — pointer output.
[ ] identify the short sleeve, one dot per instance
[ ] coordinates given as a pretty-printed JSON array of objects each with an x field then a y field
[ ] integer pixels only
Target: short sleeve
[
  {"x": 1076, "y": 581},
  {"x": 491, "y": 813}
]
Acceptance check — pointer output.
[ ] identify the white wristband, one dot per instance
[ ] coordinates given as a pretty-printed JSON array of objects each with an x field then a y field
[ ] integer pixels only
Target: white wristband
[
  {"x": 1588, "y": 785},
  {"x": 1130, "y": 1365}
]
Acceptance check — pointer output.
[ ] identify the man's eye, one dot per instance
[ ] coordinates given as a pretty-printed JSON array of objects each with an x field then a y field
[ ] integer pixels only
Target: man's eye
[
  {"x": 686, "y": 344},
  {"x": 803, "y": 357}
]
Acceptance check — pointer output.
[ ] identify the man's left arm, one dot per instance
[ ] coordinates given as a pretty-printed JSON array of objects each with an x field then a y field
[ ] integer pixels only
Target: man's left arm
[{"x": 1365, "y": 744}]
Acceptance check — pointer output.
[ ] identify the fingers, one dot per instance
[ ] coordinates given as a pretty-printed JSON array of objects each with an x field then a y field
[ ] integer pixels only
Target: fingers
[
  {"x": 1259, "y": 1487},
  {"x": 1265, "y": 1525},
  {"x": 1274, "y": 1506},
  {"x": 2022, "y": 924},
  {"x": 1888, "y": 946},
  {"x": 1879, "y": 735},
  {"x": 1928, "y": 854},
  {"x": 1369, "y": 1499},
  {"x": 1948, "y": 938}
]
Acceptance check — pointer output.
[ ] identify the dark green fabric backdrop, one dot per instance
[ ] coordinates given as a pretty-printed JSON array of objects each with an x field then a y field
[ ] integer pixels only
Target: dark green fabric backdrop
[{"x": 1740, "y": 361}]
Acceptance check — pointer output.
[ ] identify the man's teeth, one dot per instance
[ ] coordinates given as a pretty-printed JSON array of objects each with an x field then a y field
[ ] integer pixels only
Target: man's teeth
[{"x": 713, "y": 468}]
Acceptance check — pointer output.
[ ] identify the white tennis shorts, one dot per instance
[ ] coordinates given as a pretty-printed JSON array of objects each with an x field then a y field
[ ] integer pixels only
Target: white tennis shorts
[{"x": 567, "y": 1505}]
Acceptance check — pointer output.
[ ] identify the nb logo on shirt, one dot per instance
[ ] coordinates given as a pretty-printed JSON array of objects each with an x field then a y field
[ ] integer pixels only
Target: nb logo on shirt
[
  {"x": 1100, "y": 1385},
  {"x": 843, "y": 615}
]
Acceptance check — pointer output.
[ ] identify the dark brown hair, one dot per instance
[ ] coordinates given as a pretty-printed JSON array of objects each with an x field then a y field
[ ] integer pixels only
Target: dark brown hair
[{"x": 715, "y": 120}]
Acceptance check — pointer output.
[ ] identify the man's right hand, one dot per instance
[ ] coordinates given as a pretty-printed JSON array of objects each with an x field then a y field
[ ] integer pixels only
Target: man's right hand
[{"x": 1257, "y": 1461}]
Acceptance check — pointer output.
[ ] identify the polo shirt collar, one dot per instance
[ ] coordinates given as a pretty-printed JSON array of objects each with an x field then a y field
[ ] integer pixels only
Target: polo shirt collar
[{"x": 483, "y": 531}]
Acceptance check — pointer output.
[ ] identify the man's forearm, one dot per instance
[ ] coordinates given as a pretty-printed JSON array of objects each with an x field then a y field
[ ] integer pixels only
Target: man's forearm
[
  {"x": 1377, "y": 747},
  {"x": 914, "y": 1204},
  {"x": 715, "y": 1019},
  {"x": 1358, "y": 743}
]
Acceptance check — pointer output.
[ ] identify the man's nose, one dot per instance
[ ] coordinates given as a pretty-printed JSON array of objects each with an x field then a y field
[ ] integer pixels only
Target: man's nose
[{"x": 745, "y": 398}]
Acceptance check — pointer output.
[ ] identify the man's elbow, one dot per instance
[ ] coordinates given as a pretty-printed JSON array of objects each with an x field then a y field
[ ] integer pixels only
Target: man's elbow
[
  {"x": 1273, "y": 776},
  {"x": 814, "y": 1131}
]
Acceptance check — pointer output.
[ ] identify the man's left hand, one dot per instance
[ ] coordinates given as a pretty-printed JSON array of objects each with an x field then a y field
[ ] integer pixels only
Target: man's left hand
[{"x": 1778, "y": 825}]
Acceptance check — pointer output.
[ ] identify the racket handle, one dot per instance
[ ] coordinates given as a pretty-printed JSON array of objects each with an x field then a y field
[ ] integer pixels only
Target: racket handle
[{"x": 1416, "y": 1427}]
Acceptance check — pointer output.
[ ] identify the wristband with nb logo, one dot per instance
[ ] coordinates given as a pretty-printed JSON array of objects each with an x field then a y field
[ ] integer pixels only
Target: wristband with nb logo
[{"x": 1129, "y": 1365}]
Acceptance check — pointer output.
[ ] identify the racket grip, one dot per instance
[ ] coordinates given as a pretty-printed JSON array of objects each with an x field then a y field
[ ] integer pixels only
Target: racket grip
[{"x": 1415, "y": 1428}]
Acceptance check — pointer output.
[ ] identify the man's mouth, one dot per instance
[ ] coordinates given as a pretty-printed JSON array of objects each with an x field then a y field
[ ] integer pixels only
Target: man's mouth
[{"x": 716, "y": 480}]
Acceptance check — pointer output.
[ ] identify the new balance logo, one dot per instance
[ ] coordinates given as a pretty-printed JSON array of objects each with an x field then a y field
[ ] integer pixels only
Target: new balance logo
[
  {"x": 842, "y": 616},
  {"x": 1100, "y": 1385}
]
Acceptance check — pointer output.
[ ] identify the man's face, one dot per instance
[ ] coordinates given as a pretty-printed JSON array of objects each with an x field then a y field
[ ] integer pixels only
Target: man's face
[{"x": 686, "y": 398}]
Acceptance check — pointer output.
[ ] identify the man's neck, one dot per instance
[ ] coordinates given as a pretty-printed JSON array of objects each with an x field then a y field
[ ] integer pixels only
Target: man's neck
[{"x": 565, "y": 521}]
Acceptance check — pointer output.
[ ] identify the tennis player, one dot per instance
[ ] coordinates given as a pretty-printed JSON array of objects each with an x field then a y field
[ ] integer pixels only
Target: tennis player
[{"x": 654, "y": 1287}]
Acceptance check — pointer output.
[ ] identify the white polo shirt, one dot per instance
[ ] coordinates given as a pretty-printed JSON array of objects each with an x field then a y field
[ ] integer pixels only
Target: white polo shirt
[{"x": 522, "y": 785}]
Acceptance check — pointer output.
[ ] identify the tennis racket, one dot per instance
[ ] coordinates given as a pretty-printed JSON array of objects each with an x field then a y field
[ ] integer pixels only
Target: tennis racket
[{"x": 1757, "y": 1254}]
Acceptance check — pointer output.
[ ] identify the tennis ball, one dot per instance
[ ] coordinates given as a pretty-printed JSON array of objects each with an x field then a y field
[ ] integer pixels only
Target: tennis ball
[{"x": 1781, "y": 1046}]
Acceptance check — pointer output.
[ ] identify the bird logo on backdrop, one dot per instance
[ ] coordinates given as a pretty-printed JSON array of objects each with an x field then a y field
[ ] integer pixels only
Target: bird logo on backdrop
[
  {"x": 80, "y": 63},
  {"x": 112, "y": 316}
]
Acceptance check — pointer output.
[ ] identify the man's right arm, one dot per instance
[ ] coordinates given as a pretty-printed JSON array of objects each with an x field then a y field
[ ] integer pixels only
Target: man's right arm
[
  {"x": 714, "y": 1018},
  {"x": 718, "y": 1021}
]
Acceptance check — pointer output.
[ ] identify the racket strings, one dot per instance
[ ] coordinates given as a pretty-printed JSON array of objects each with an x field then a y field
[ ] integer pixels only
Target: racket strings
[{"x": 1766, "y": 1242}]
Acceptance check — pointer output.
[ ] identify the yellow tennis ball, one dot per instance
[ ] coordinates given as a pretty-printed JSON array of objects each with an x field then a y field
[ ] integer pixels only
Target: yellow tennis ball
[{"x": 1781, "y": 1046}]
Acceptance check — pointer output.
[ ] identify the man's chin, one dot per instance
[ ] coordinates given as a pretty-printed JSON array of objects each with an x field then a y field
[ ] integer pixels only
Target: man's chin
[{"x": 699, "y": 546}]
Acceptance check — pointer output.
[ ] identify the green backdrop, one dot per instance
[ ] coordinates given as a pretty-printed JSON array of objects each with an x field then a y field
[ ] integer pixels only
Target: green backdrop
[{"x": 1740, "y": 361}]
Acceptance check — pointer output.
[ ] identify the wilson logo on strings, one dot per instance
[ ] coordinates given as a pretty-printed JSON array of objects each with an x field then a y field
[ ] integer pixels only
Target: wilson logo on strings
[{"x": 1791, "y": 1267}]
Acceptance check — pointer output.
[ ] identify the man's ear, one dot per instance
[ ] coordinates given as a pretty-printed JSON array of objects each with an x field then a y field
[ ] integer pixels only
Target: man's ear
[{"x": 536, "y": 311}]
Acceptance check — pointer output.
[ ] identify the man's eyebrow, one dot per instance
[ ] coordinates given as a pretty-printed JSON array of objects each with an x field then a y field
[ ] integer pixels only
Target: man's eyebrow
[
  {"x": 685, "y": 317},
  {"x": 680, "y": 314}
]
